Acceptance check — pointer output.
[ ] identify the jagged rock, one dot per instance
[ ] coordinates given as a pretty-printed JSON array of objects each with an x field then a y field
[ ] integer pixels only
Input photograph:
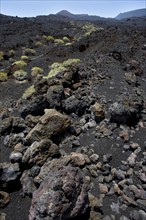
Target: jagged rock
[
  {"x": 103, "y": 188},
  {"x": 138, "y": 215},
  {"x": 2, "y": 216},
  {"x": 55, "y": 96},
  {"x": 15, "y": 157},
  {"x": 75, "y": 159},
  {"x": 27, "y": 183},
  {"x": 141, "y": 176},
  {"x": 38, "y": 152},
  {"x": 131, "y": 159},
  {"x": 71, "y": 104},
  {"x": 126, "y": 111},
  {"x": 95, "y": 202},
  {"x": 9, "y": 173},
  {"x": 130, "y": 78},
  {"x": 95, "y": 215},
  {"x": 4, "y": 199},
  {"x": 35, "y": 107},
  {"x": 142, "y": 203},
  {"x": 52, "y": 123},
  {"x": 62, "y": 195},
  {"x": 139, "y": 193},
  {"x": 6, "y": 125},
  {"x": 99, "y": 112}
]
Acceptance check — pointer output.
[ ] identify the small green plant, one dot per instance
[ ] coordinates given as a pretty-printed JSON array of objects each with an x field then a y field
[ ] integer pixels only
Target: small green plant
[
  {"x": 89, "y": 28},
  {"x": 20, "y": 64},
  {"x": 1, "y": 55},
  {"x": 20, "y": 75},
  {"x": 26, "y": 58},
  {"x": 56, "y": 71},
  {"x": 70, "y": 62},
  {"x": 29, "y": 52},
  {"x": 38, "y": 43},
  {"x": 48, "y": 38},
  {"x": 28, "y": 92},
  {"x": 36, "y": 71},
  {"x": 3, "y": 77},
  {"x": 66, "y": 39},
  {"x": 58, "y": 41},
  {"x": 68, "y": 44},
  {"x": 11, "y": 53},
  {"x": 57, "y": 68}
]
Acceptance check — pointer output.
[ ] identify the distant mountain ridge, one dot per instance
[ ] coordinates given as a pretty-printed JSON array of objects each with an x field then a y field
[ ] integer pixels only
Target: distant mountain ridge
[
  {"x": 134, "y": 13},
  {"x": 79, "y": 16}
]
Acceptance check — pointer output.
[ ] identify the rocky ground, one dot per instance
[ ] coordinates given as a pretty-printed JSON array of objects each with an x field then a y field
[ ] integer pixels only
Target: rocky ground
[{"x": 72, "y": 119}]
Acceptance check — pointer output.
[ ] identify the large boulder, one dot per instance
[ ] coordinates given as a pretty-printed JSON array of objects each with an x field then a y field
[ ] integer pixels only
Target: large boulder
[
  {"x": 52, "y": 123},
  {"x": 62, "y": 195},
  {"x": 75, "y": 159}
]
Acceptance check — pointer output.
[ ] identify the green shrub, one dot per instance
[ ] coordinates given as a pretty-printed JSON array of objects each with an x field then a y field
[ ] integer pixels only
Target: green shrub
[
  {"x": 57, "y": 68},
  {"x": 38, "y": 43},
  {"x": 90, "y": 28},
  {"x": 1, "y": 55},
  {"x": 11, "y": 53},
  {"x": 24, "y": 58},
  {"x": 48, "y": 38},
  {"x": 68, "y": 44},
  {"x": 66, "y": 39},
  {"x": 37, "y": 71},
  {"x": 28, "y": 92},
  {"x": 56, "y": 71},
  {"x": 20, "y": 75},
  {"x": 70, "y": 62},
  {"x": 29, "y": 52},
  {"x": 58, "y": 41},
  {"x": 3, "y": 77},
  {"x": 20, "y": 64}
]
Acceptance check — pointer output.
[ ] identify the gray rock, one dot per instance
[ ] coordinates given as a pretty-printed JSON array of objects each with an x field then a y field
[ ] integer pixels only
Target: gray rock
[
  {"x": 130, "y": 78},
  {"x": 27, "y": 183},
  {"x": 142, "y": 203},
  {"x": 5, "y": 125},
  {"x": 9, "y": 172},
  {"x": 50, "y": 124},
  {"x": 38, "y": 152},
  {"x": 94, "y": 158},
  {"x": 138, "y": 215},
  {"x": 107, "y": 158},
  {"x": 71, "y": 104},
  {"x": 124, "y": 218},
  {"x": 35, "y": 107},
  {"x": 131, "y": 159},
  {"x": 15, "y": 157},
  {"x": 55, "y": 96},
  {"x": 127, "y": 110},
  {"x": 62, "y": 195}
]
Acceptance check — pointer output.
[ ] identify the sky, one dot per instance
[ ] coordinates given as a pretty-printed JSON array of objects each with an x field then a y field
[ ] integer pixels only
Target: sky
[{"x": 103, "y": 8}]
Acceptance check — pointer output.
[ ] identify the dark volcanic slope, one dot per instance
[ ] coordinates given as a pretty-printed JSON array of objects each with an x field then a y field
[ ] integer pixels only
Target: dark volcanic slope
[{"x": 85, "y": 156}]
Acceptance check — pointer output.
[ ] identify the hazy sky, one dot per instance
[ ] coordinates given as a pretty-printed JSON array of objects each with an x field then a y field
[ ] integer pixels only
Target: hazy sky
[{"x": 105, "y": 8}]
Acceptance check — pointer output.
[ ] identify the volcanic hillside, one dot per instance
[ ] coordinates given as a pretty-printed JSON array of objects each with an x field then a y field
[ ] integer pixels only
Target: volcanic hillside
[{"x": 72, "y": 119}]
